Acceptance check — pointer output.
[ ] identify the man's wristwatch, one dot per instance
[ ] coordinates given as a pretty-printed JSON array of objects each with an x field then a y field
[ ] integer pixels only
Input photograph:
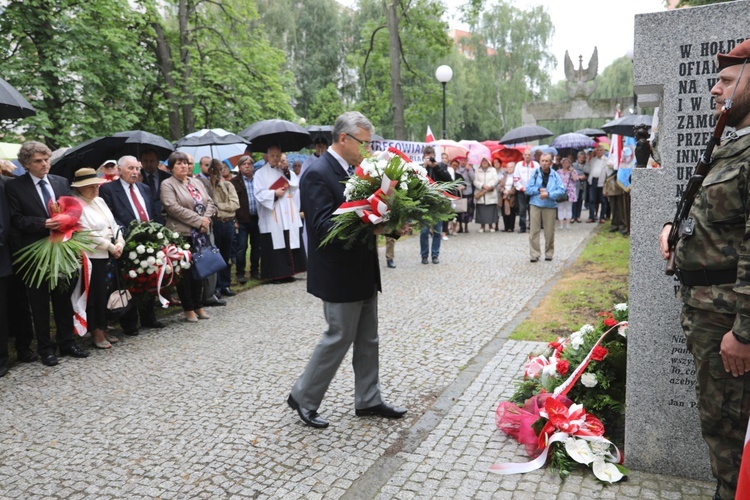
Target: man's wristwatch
[{"x": 741, "y": 340}]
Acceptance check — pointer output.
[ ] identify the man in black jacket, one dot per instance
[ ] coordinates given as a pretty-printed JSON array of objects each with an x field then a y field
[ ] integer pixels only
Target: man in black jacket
[
  {"x": 29, "y": 196},
  {"x": 347, "y": 280}
]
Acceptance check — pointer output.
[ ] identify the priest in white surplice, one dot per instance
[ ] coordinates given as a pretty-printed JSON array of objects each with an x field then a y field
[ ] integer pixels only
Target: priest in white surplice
[{"x": 281, "y": 252}]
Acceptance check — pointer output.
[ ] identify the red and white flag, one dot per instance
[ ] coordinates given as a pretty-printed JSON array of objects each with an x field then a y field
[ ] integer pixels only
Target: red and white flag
[
  {"x": 429, "y": 137},
  {"x": 743, "y": 483},
  {"x": 615, "y": 150}
]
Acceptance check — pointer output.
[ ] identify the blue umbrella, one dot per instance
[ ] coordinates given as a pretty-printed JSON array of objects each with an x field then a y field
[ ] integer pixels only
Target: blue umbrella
[{"x": 573, "y": 141}]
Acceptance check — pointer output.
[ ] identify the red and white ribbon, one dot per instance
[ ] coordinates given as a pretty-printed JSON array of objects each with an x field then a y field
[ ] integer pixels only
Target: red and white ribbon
[
  {"x": 171, "y": 254},
  {"x": 80, "y": 297},
  {"x": 375, "y": 207}
]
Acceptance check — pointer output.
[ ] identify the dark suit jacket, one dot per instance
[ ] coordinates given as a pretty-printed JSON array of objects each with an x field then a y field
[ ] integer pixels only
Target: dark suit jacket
[
  {"x": 118, "y": 201},
  {"x": 27, "y": 213},
  {"x": 243, "y": 213},
  {"x": 158, "y": 214},
  {"x": 334, "y": 274},
  {"x": 5, "y": 259}
]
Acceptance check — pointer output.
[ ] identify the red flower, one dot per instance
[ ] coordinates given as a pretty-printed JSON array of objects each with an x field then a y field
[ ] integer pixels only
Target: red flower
[
  {"x": 599, "y": 353},
  {"x": 558, "y": 344},
  {"x": 610, "y": 322},
  {"x": 562, "y": 366}
]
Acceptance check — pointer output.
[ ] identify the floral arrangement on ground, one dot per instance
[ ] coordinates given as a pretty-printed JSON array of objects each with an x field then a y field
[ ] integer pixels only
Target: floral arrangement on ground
[
  {"x": 572, "y": 394},
  {"x": 154, "y": 257},
  {"x": 392, "y": 191}
]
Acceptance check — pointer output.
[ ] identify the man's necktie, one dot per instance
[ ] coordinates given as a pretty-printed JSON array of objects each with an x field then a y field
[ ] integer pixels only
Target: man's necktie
[
  {"x": 138, "y": 207},
  {"x": 45, "y": 195},
  {"x": 152, "y": 184},
  {"x": 350, "y": 170}
]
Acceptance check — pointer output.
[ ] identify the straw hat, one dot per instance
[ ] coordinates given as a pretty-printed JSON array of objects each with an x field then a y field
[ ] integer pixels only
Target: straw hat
[{"x": 86, "y": 177}]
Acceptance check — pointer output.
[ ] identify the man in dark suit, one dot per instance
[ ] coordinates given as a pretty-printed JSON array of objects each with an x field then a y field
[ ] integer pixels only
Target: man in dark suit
[
  {"x": 29, "y": 197},
  {"x": 6, "y": 271},
  {"x": 129, "y": 200},
  {"x": 247, "y": 220},
  {"x": 347, "y": 280},
  {"x": 153, "y": 176}
]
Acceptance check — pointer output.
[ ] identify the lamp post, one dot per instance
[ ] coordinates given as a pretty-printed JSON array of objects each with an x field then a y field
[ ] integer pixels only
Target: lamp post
[{"x": 444, "y": 74}]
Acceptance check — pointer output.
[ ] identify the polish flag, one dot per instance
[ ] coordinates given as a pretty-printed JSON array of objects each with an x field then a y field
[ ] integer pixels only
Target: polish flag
[
  {"x": 743, "y": 483},
  {"x": 429, "y": 137}
]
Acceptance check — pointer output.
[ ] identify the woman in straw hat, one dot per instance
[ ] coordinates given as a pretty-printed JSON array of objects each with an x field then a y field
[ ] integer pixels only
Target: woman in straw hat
[{"x": 98, "y": 219}]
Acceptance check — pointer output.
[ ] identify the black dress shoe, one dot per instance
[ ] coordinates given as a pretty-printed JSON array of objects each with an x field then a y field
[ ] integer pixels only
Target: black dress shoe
[
  {"x": 131, "y": 333},
  {"x": 227, "y": 292},
  {"x": 152, "y": 324},
  {"x": 215, "y": 301},
  {"x": 381, "y": 410},
  {"x": 73, "y": 351},
  {"x": 255, "y": 276},
  {"x": 3, "y": 370},
  {"x": 548, "y": 259},
  {"x": 435, "y": 260},
  {"x": 425, "y": 261},
  {"x": 26, "y": 356},
  {"x": 241, "y": 279},
  {"x": 49, "y": 359},
  {"x": 309, "y": 417}
]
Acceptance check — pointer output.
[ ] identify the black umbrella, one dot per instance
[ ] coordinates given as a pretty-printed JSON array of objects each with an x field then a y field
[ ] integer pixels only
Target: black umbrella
[
  {"x": 318, "y": 131},
  {"x": 137, "y": 141},
  {"x": 91, "y": 153},
  {"x": 287, "y": 136},
  {"x": 525, "y": 133},
  {"x": 624, "y": 125},
  {"x": 591, "y": 132},
  {"x": 12, "y": 103}
]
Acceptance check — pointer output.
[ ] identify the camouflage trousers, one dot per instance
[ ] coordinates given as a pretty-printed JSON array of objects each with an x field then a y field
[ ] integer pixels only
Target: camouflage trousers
[{"x": 723, "y": 400}]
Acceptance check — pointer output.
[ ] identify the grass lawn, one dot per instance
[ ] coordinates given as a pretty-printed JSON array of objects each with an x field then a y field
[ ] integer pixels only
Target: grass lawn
[{"x": 595, "y": 282}]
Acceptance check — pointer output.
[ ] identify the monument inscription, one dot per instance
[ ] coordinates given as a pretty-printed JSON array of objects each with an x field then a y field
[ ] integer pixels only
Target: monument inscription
[{"x": 674, "y": 68}]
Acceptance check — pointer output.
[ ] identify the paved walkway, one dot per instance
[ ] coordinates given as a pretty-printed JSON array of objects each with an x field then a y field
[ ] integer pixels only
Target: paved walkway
[{"x": 198, "y": 410}]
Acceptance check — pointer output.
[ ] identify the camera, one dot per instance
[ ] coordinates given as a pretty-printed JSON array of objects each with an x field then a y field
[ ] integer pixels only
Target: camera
[{"x": 432, "y": 159}]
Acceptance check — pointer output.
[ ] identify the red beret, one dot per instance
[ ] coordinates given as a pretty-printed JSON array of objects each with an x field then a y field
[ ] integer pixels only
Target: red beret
[{"x": 737, "y": 55}]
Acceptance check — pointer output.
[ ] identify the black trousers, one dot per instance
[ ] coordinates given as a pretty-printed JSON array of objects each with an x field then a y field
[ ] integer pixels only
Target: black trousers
[
  {"x": 20, "y": 325},
  {"x": 190, "y": 292},
  {"x": 96, "y": 305},
  {"x": 62, "y": 309}
]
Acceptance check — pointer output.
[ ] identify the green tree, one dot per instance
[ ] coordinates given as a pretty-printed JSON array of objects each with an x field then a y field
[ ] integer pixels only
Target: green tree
[
  {"x": 81, "y": 64},
  {"x": 326, "y": 106},
  {"x": 696, "y": 3}
]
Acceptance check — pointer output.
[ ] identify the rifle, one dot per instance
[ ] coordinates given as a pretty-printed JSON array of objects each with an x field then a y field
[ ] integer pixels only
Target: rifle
[{"x": 696, "y": 181}]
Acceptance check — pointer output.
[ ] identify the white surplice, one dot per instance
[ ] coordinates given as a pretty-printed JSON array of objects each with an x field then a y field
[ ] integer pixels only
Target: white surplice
[{"x": 276, "y": 216}]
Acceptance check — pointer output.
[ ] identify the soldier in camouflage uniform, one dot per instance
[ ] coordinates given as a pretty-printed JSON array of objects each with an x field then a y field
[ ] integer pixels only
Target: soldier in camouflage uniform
[{"x": 714, "y": 269}]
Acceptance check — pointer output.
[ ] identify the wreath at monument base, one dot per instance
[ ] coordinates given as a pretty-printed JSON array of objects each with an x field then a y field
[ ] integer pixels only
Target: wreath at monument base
[{"x": 571, "y": 396}]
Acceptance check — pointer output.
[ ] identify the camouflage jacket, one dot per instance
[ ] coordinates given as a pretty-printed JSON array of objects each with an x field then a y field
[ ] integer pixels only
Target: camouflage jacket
[{"x": 721, "y": 235}]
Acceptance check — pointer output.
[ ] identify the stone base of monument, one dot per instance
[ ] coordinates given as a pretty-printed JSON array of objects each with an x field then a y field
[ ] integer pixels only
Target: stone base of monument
[{"x": 674, "y": 69}]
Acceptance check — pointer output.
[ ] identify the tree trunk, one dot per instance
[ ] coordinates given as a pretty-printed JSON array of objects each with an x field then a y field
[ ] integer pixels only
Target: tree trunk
[
  {"x": 397, "y": 95},
  {"x": 164, "y": 60},
  {"x": 188, "y": 120}
]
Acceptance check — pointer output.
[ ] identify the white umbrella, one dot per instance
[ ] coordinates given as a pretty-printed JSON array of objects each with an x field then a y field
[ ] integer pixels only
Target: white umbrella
[{"x": 214, "y": 143}]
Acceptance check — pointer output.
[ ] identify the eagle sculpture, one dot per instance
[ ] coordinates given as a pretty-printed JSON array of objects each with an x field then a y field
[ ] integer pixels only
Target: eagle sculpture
[{"x": 581, "y": 82}]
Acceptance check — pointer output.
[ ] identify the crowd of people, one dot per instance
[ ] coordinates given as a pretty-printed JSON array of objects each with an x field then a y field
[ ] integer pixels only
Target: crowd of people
[{"x": 255, "y": 220}]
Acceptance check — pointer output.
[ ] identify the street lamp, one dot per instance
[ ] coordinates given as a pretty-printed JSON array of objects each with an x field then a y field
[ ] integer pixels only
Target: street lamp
[{"x": 444, "y": 74}]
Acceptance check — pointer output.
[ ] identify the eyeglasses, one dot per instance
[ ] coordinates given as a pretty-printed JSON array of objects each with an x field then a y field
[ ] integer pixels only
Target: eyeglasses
[{"x": 366, "y": 143}]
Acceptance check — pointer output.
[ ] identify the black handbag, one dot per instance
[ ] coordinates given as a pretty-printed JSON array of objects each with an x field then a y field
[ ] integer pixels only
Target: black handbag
[{"x": 207, "y": 259}]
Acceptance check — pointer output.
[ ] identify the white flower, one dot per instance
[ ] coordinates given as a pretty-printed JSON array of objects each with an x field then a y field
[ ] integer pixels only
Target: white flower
[
  {"x": 144, "y": 264},
  {"x": 600, "y": 448},
  {"x": 605, "y": 471},
  {"x": 159, "y": 254},
  {"x": 168, "y": 270},
  {"x": 175, "y": 236},
  {"x": 623, "y": 306},
  {"x": 140, "y": 249},
  {"x": 587, "y": 329},
  {"x": 576, "y": 340},
  {"x": 579, "y": 450},
  {"x": 186, "y": 246},
  {"x": 132, "y": 255},
  {"x": 589, "y": 380},
  {"x": 150, "y": 270},
  {"x": 151, "y": 260},
  {"x": 550, "y": 370},
  {"x": 149, "y": 250},
  {"x": 159, "y": 262},
  {"x": 623, "y": 330},
  {"x": 136, "y": 261},
  {"x": 184, "y": 265},
  {"x": 132, "y": 274},
  {"x": 403, "y": 186},
  {"x": 159, "y": 235},
  {"x": 140, "y": 270}
]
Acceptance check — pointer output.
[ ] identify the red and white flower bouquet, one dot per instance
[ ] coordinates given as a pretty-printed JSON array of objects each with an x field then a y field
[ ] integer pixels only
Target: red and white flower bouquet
[{"x": 572, "y": 394}]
